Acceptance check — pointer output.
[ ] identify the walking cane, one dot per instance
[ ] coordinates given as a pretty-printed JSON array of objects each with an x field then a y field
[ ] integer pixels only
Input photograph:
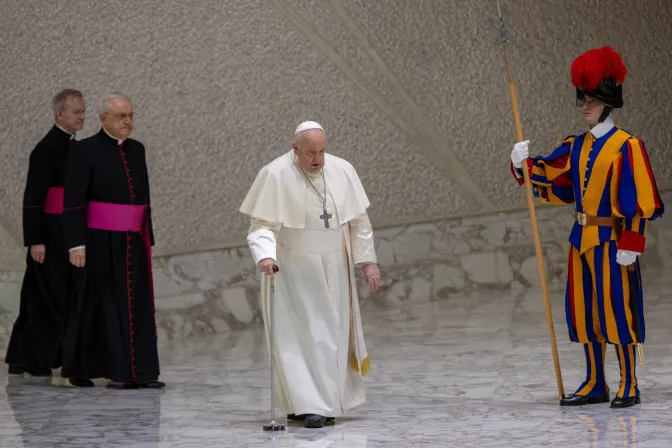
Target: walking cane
[
  {"x": 273, "y": 425},
  {"x": 502, "y": 34}
]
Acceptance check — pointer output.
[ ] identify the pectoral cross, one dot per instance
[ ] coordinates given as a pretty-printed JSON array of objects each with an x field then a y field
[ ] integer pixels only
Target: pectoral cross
[{"x": 325, "y": 216}]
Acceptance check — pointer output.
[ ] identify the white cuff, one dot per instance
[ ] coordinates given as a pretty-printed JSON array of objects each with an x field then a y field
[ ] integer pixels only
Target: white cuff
[
  {"x": 626, "y": 257},
  {"x": 362, "y": 240},
  {"x": 262, "y": 244},
  {"x": 76, "y": 248}
]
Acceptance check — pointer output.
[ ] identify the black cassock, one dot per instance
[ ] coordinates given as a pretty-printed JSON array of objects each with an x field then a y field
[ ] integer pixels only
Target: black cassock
[
  {"x": 112, "y": 330},
  {"x": 39, "y": 329}
]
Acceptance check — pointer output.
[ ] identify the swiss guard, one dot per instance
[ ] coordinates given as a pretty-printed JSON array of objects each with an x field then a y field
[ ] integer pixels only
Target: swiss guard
[{"x": 605, "y": 172}]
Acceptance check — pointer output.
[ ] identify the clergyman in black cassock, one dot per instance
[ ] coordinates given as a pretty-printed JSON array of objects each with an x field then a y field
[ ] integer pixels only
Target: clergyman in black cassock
[
  {"x": 109, "y": 232},
  {"x": 36, "y": 339}
]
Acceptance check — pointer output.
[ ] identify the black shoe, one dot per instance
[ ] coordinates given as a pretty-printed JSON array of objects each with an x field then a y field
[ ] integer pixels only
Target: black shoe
[
  {"x": 71, "y": 382},
  {"x": 32, "y": 371},
  {"x": 317, "y": 421},
  {"x": 302, "y": 417},
  {"x": 15, "y": 370},
  {"x": 296, "y": 418},
  {"x": 153, "y": 385},
  {"x": 625, "y": 402},
  {"x": 314, "y": 421},
  {"x": 39, "y": 371},
  {"x": 113, "y": 385},
  {"x": 581, "y": 400},
  {"x": 80, "y": 382}
]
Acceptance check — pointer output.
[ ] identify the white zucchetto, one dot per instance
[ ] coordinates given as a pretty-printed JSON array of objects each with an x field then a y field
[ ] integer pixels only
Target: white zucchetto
[{"x": 308, "y": 125}]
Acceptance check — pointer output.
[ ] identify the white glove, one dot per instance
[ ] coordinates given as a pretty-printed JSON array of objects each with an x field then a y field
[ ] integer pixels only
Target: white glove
[
  {"x": 520, "y": 152},
  {"x": 626, "y": 257}
]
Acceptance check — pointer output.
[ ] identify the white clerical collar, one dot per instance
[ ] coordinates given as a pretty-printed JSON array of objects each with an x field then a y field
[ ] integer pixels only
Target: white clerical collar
[
  {"x": 71, "y": 134},
  {"x": 119, "y": 141},
  {"x": 601, "y": 129}
]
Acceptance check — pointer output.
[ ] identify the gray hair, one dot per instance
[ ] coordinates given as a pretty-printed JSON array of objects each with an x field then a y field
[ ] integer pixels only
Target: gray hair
[
  {"x": 105, "y": 101},
  {"x": 58, "y": 102}
]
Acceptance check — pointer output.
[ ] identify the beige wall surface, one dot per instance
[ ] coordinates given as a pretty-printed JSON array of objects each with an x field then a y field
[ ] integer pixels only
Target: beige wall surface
[{"x": 413, "y": 93}]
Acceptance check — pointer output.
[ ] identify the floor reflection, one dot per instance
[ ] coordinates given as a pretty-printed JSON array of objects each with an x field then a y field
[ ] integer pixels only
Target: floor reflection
[{"x": 465, "y": 372}]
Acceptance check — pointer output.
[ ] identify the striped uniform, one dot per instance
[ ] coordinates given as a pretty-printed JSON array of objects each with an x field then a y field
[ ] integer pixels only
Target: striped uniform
[{"x": 609, "y": 176}]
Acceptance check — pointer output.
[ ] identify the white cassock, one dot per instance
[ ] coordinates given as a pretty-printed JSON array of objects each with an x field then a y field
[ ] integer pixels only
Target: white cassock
[{"x": 320, "y": 351}]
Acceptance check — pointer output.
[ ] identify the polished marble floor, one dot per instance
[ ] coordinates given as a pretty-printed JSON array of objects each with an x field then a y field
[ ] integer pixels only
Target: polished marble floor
[{"x": 470, "y": 371}]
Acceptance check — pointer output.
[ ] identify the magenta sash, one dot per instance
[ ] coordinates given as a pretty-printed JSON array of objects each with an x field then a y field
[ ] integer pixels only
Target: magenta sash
[
  {"x": 123, "y": 218},
  {"x": 116, "y": 217},
  {"x": 53, "y": 204}
]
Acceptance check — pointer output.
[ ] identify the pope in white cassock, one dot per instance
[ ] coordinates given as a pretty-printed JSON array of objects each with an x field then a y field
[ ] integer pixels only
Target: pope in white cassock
[{"x": 308, "y": 216}]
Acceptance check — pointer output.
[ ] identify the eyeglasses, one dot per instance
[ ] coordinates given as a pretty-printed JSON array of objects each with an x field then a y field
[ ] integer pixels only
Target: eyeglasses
[{"x": 122, "y": 116}]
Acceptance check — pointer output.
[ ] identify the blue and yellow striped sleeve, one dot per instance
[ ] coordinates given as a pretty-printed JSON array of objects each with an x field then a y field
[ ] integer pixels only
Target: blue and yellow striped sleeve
[
  {"x": 635, "y": 195},
  {"x": 551, "y": 175}
]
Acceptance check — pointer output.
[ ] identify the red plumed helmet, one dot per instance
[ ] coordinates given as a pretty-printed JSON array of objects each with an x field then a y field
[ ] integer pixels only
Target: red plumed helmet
[{"x": 599, "y": 73}]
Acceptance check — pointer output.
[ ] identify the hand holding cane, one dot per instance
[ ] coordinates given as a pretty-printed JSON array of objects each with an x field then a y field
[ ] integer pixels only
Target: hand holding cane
[{"x": 273, "y": 425}]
